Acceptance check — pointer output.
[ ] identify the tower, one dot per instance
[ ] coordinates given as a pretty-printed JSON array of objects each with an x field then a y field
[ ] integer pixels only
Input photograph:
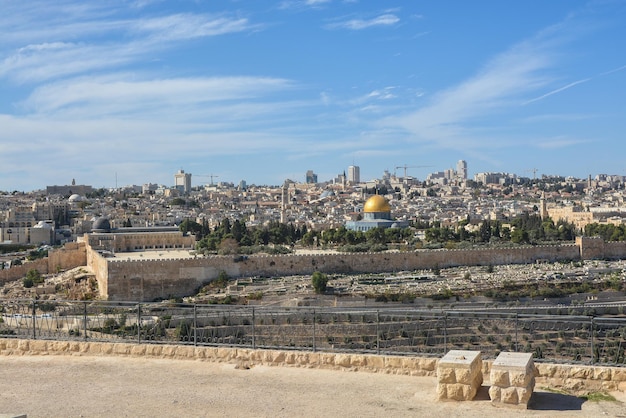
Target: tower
[
  {"x": 311, "y": 177},
  {"x": 354, "y": 174},
  {"x": 461, "y": 169},
  {"x": 182, "y": 181}
]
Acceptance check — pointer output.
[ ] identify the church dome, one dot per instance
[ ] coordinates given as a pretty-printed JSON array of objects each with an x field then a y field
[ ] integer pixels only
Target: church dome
[{"x": 376, "y": 203}]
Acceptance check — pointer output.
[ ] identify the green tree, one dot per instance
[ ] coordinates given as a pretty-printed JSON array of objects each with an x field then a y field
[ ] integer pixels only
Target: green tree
[{"x": 319, "y": 281}]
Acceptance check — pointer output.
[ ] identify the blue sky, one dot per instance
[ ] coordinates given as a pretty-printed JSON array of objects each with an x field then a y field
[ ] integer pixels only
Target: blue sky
[{"x": 129, "y": 92}]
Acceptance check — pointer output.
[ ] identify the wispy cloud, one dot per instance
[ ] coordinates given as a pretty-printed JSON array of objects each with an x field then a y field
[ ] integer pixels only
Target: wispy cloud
[
  {"x": 188, "y": 26},
  {"x": 387, "y": 19},
  {"x": 555, "y": 91},
  {"x": 128, "y": 41},
  {"x": 560, "y": 142},
  {"x": 450, "y": 114}
]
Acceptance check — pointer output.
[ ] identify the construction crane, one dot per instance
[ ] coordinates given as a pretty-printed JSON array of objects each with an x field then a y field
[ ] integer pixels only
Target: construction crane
[
  {"x": 212, "y": 176},
  {"x": 410, "y": 166},
  {"x": 534, "y": 171}
]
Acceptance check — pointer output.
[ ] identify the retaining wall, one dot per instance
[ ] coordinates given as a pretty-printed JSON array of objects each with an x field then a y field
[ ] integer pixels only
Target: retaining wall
[{"x": 578, "y": 380}]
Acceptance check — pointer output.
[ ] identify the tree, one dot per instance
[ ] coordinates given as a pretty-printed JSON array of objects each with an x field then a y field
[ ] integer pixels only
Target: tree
[
  {"x": 319, "y": 281},
  {"x": 228, "y": 246}
]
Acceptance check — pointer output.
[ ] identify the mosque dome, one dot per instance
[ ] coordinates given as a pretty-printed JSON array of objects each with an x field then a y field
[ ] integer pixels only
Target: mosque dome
[
  {"x": 75, "y": 198},
  {"x": 101, "y": 224},
  {"x": 376, "y": 203}
]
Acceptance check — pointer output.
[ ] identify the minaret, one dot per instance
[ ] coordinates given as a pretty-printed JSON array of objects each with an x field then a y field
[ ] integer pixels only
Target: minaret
[
  {"x": 543, "y": 207},
  {"x": 283, "y": 203}
]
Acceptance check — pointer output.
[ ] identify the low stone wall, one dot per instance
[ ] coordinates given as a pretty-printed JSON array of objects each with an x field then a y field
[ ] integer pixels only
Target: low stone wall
[{"x": 575, "y": 379}]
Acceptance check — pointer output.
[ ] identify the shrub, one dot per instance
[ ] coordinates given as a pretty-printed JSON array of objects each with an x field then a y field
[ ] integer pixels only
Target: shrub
[{"x": 319, "y": 281}]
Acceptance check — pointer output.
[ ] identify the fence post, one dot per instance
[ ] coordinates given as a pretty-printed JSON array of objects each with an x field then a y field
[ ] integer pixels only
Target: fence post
[
  {"x": 195, "y": 325},
  {"x": 253, "y": 330},
  {"x": 445, "y": 332},
  {"x": 85, "y": 321},
  {"x": 516, "y": 325},
  {"x": 593, "y": 353},
  {"x": 34, "y": 319},
  {"x": 314, "y": 346},
  {"x": 139, "y": 323},
  {"x": 377, "y": 332}
]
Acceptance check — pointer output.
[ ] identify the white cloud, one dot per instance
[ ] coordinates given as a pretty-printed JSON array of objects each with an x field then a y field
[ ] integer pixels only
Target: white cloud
[
  {"x": 125, "y": 94},
  {"x": 448, "y": 118},
  {"x": 359, "y": 24}
]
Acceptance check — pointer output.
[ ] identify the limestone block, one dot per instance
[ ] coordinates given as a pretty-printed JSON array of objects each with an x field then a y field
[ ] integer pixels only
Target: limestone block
[
  {"x": 154, "y": 350},
  {"x": 500, "y": 378},
  {"x": 619, "y": 374},
  {"x": 459, "y": 375},
  {"x": 39, "y": 346},
  {"x": 428, "y": 364},
  {"x": 376, "y": 362},
  {"x": 456, "y": 392},
  {"x": 509, "y": 395},
  {"x": 138, "y": 350},
  {"x": 23, "y": 345},
  {"x": 580, "y": 372},
  {"x": 393, "y": 362},
  {"x": 602, "y": 373},
  {"x": 290, "y": 358},
  {"x": 521, "y": 379},
  {"x": 442, "y": 392},
  {"x": 523, "y": 395},
  {"x": 446, "y": 375},
  {"x": 342, "y": 360},
  {"x": 359, "y": 360},
  {"x": 513, "y": 379},
  {"x": 495, "y": 393}
]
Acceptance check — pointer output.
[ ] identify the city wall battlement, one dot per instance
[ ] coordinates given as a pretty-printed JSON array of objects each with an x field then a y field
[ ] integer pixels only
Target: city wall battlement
[
  {"x": 577, "y": 379},
  {"x": 150, "y": 279},
  {"x": 158, "y": 277}
]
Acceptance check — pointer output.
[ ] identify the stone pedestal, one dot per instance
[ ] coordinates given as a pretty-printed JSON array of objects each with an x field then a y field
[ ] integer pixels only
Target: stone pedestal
[
  {"x": 512, "y": 379},
  {"x": 459, "y": 375}
]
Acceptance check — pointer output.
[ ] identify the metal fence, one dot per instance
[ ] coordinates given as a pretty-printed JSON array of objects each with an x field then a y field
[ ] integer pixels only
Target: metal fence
[{"x": 401, "y": 331}]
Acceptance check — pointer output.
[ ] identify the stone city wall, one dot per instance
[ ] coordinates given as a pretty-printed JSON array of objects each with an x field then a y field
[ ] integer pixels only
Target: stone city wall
[
  {"x": 70, "y": 256},
  {"x": 150, "y": 279},
  {"x": 17, "y": 272},
  {"x": 575, "y": 379}
]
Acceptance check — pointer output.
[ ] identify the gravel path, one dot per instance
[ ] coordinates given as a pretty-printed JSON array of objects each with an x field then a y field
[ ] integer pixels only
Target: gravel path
[{"x": 72, "y": 386}]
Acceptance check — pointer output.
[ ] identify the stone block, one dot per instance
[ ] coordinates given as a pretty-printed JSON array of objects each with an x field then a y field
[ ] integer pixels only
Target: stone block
[
  {"x": 513, "y": 379},
  {"x": 446, "y": 375},
  {"x": 459, "y": 375},
  {"x": 500, "y": 378},
  {"x": 494, "y": 393},
  {"x": 509, "y": 395}
]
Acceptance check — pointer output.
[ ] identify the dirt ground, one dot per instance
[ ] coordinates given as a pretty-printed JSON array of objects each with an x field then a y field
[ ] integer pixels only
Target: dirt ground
[{"x": 72, "y": 386}]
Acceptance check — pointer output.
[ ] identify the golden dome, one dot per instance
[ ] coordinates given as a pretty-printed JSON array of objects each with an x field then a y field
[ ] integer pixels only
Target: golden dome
[{"x": 376, "y": 203}]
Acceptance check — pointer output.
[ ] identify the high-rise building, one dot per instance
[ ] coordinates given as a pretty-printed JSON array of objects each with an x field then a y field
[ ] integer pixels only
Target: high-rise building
[
  {"x": 311, "y": 177},
  {"x": 354, "y": 174},
  {"x": 182, "y": 181},
  {"x": 461, "y": 169}
]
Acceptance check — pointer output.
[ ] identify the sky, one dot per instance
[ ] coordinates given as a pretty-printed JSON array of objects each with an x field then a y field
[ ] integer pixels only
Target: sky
[{"x": 114, "y": 93}]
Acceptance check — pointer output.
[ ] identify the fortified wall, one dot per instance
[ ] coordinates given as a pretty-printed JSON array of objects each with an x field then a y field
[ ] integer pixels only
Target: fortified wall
[
  {"x": 70, "y": 256},
  {"x": 159, "y": 278},
  {"x": 150, "y": 279}
]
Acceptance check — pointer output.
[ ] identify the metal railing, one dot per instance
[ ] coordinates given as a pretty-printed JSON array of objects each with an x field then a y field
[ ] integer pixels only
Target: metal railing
[{"x": 398, "y": 331}]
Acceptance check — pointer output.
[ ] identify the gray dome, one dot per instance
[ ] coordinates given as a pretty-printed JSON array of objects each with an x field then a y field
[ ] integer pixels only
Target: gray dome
[{"x": 101, "y": 224}]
